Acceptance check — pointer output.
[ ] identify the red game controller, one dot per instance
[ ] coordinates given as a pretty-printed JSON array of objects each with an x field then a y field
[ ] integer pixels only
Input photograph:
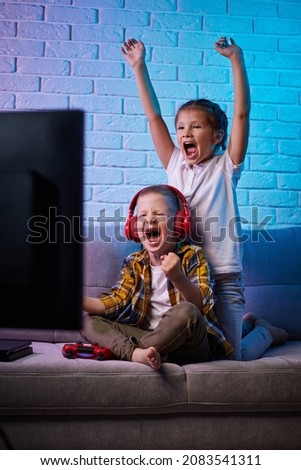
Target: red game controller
[{"x": 86, "y": 351}]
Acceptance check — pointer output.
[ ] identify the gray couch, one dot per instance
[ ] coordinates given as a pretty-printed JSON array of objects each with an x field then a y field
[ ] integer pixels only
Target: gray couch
[{"x": 50, "y": 402}]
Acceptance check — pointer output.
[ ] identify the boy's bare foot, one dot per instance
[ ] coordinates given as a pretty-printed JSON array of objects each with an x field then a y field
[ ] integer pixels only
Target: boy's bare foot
[
  {"x": 149, "y": 356},
  {"x": 279, "y": 335}
]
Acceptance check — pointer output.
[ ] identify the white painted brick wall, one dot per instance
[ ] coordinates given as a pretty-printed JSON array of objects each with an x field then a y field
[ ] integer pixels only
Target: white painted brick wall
[{"x": 66, "y": 54}]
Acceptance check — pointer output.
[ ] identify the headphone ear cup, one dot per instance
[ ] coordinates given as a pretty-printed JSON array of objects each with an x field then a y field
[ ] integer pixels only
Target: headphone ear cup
[
  {"x": 130, "y": 229},
  {"x": 182, "y": 224},
  {"x": 178, "y": 225},
  {"x": 183, "y": 219}
]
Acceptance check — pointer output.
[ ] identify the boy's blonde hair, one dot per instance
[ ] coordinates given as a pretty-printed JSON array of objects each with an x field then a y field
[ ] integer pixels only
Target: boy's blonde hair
[{"x": 167, "y": 193}]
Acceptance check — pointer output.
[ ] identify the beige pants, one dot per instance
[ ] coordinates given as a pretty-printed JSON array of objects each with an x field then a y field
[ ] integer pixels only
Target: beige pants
[{"x": 181, "y": 335}]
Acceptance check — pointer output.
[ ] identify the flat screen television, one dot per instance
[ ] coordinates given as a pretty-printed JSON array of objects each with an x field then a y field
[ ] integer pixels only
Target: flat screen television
[{"x": 41, "y": 162}]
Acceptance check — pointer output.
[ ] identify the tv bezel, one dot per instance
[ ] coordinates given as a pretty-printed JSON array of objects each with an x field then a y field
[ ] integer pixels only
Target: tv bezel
[{"x": 41, "y": 165}]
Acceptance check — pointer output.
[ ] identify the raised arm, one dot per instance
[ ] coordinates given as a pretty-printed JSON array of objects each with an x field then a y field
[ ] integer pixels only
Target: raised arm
[
  {"x": 238, "y": 141},
  {"x": 134, "y": 52}
]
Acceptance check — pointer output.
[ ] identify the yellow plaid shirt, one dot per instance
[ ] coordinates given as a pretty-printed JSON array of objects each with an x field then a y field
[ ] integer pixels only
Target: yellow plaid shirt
[{"x": 129, "y": 299}]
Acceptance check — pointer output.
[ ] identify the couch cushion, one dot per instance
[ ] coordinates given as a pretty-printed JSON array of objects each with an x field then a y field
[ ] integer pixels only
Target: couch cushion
[
  {"x": 271, "y": 383},
  {"x": 48, "y": 383},
  {"x": 272, "y": 275},
  {"x": 104, "y": 252},
  {"x": 280, "y": 305},
  {"x": 274, "y": 259}
]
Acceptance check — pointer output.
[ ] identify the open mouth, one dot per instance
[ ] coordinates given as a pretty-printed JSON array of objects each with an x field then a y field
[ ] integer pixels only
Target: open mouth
[
  {"x": 190, "y": 149},
  {"x": 152, "y": 235}
]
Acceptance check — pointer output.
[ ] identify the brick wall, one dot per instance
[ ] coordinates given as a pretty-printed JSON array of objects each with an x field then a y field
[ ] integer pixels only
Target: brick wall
[{"x": 61, "y": 54}]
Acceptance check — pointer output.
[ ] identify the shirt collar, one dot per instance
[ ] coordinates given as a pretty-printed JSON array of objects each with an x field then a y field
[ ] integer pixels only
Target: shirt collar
[{"x": 195, "y": 168}]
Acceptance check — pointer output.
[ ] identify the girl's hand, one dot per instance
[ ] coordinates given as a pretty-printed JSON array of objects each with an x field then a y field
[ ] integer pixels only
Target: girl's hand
[
  {"x": 227, "y": 50},
  {"x": 133, "y": 51}
]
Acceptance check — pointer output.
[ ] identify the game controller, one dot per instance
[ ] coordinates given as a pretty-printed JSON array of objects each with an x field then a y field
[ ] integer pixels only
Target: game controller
[{"x": 86, "y": 351}]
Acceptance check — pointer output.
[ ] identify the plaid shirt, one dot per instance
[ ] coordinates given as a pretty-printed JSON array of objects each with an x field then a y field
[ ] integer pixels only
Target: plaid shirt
[{"x": 129, "y": 299}]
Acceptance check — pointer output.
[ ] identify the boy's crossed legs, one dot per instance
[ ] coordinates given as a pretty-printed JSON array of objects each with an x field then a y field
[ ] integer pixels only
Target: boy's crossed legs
[{"x": 181, "y": 335}]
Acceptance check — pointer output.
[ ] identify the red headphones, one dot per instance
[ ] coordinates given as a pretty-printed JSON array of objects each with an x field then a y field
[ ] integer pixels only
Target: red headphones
[{"x": 182, "y": 222}]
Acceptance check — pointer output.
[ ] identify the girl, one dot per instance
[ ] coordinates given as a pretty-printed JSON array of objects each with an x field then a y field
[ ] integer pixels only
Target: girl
[{"x": 208, "y": 179}]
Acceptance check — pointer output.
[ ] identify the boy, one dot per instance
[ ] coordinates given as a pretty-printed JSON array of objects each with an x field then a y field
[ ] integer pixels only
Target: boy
[{"x": 162, "y": 305}]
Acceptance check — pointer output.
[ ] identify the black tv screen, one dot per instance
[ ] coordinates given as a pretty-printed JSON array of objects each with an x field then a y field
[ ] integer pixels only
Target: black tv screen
[{"x": 41, "y": 161}]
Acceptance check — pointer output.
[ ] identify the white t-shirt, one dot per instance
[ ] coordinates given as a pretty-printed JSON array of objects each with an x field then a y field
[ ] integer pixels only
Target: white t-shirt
[
  {"x": 160, "y": 301},
  {"x": 210, "y": 190}
]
